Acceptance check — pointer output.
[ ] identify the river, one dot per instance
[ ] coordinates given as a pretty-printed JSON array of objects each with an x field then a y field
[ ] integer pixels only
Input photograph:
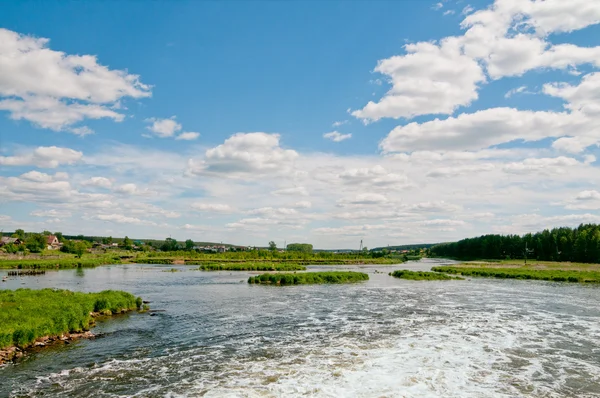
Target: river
[{"x": 220, "y": 337}]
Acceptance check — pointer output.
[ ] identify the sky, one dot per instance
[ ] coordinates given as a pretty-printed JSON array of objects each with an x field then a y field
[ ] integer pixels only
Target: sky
[{"x": 390, "y": 122}]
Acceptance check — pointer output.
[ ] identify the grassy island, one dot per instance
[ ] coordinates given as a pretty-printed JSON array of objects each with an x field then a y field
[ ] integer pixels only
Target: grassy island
[
  {"x": 546, "y": 274},
  {"x": 29, "y": 315},
  {"x": 251, "y": 266},
  {"x": 422, "y": 275},
  {"x": 308, "y": 278}
]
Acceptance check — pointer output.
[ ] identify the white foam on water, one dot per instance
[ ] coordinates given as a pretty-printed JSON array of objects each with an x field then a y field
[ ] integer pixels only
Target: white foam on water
[{"x": 445, "y": 344}]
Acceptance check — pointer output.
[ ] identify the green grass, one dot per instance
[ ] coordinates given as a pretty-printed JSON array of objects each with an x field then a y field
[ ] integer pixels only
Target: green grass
[
  {"x": 422, "y": 275},
  {"x": 524, "y": 273},
  {"x": 308, "y": 278},
  {"x": 26, "y": 314},
  {"x": 251, "y": 267},
  {"x": 149, "y": 260},
  {"x": 63, "y": 262}
]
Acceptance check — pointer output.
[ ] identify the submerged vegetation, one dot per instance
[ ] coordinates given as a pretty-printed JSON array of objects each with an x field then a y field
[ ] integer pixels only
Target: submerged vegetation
[
  {"x": 26, "y": 315},
  {"x": 307, "y": 278},
  {"x": 556, "y": 275},
  {"x": 422, "y": 275}
]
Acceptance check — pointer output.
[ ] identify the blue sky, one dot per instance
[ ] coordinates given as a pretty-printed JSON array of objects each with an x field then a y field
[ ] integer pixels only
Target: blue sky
[{"x": 194, "y": 116}]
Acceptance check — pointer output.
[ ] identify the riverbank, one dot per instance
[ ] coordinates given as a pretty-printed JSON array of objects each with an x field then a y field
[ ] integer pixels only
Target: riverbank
[
  {"x": 515, "y": 269},
  {"x": 37, "y": 318}
]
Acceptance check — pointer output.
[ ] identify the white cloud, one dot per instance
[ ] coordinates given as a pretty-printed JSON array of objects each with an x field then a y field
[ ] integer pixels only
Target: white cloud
[
  {"x": 55, "y": 90},
  {"x": 303, "y": 204},
  {"x": 101, "y": 182},
  {"x": 464, "y": 132},
  {"x": 588, "y": 195},
  {"x": 50, "y": 157},
  {"x": 364, "y": 199},
  {"x": 296, "y": 191},
  {"x": 449, "y": 12},
  {"x": 429, "y": 79},
  {"x": 376, "y": 176},
  {"x": 51, "y": 213},
  {"x": 121, "y": 219},
  {"x": 584, "y": 97},
  {"x": 541, "y": 165},
  {"x": 131, "y": 189},
  {"x": 245, "y": 155},
  {"x": 188, "y": 136},
  {"x": 337, "y": 136},
  {"x": 212, "y": 207},
  {"x": 514, "y": 91},
  {"x": 443, "y": 172},
  {"x": 339, "y": 123},
  {"x": 164, "y": 127}
]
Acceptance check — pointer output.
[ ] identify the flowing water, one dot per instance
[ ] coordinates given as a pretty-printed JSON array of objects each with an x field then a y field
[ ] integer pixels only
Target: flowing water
[{"x": 220, "y": 337}]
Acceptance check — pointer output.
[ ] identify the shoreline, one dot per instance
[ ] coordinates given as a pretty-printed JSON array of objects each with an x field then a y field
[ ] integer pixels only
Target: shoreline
[{"x": 14, "y": 353}]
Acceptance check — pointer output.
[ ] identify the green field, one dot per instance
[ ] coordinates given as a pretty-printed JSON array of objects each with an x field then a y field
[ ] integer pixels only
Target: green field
[
  {"x": 556, "y": 275},
  {"x": 307, "y": 278},
  {"x": 26, "y": 314},
  {"x": 422, "y": 275}
]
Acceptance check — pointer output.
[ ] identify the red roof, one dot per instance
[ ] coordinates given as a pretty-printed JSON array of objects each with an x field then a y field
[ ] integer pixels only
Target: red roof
[{"x": 52, "y": 239}]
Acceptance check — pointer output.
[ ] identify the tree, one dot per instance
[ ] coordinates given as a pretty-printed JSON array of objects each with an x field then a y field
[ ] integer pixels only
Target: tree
[
  {"x": 300, "y": 247},
  {"x": 20, "y": 234},
  {"x": 272, "y": 246},
  {"x": 35, "y": 243},
  {"x": 107, "y": 241},
  {"x": 169, "y": 245},
  {"x": 59, "y": 236},
  {"x": 189, "y": 245},
  {"x": 79, "y": 248},
  {"x": 46, "y": 233},
  {"x": 127, "y": 243}
]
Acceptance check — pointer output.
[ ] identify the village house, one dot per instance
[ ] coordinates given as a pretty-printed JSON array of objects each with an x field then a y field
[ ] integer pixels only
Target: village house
[
  {"x": 53, "y": 242},
  {"x": 5, "y": 240}
]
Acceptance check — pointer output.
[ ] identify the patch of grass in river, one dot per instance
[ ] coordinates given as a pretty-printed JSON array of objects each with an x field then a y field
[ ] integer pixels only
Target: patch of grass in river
[
  {"x": 307, "y": 278},
  {"x": 422, "y": 275}
]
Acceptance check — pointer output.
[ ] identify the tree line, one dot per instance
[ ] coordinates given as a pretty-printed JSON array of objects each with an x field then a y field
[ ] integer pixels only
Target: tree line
[{"x": 581, "y": 244}]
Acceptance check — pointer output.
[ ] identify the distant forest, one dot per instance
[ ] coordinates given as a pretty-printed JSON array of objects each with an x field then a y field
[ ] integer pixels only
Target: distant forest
[
  {"x": 581, "y": 244},
  {"x": 406, "y": 247}
]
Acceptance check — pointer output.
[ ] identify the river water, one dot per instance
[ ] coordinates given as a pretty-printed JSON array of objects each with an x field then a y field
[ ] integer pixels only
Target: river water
[{"x": 220, "y": 337}]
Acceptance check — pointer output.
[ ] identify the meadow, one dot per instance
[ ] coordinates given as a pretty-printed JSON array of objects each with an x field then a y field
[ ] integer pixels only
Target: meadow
[{"x": 564, "y": 274}]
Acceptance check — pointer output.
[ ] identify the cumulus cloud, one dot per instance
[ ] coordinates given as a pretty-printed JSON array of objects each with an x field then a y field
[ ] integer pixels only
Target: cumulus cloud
[
  {"x": 295, "y": 191},
  {"x": 364, "y": 199},
  {"x": 212, "y": 207},
  {"x": 541, "y": 165},
  {"x": 121, "y": 219},
  {"x": 337, "y": 136},
  {"x": 51, "y": 213},
  {"x": 163, "y": 127},
  {"x": 429, "y": 79},
  {"x": 45, "y": 157},
  {"x": 55, "y": 90},
  {"x": 188, "y": 136},
  {"x": 100, "y": 182},
  {"x": 245, "y": 155}
]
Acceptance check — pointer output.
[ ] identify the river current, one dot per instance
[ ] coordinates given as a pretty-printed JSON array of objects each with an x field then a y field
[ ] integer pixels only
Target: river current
[{"x": 220, "y": 337}]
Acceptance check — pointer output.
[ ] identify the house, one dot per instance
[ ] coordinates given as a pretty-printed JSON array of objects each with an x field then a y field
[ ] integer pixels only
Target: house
[
  {"x": 5, "y": 240},
  {"x": 53, "y": 242}
]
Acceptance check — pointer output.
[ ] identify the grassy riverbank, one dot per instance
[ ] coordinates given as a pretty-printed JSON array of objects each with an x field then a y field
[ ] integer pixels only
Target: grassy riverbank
[
  {"x": 552, "y": 273},
  {"x": 308, "y": 278},
  {"x": 60, "y": 262},
  {"x": 422, "y": 275},
  {"x": 26, "y": 315}
]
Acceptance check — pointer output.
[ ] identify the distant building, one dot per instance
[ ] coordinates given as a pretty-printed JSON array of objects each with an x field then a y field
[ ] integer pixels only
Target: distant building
[
  {"x": 5, "y": 240},
  {"x": 53, "y": 242}
]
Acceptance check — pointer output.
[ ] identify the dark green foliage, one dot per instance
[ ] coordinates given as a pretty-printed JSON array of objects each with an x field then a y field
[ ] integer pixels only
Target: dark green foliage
[
  {"x": 189, "y": 244},
  {"x": 524, "y": 273},
  {"x": 249, "y": 266},
  {"x": 127, "y": 243},
  {"x": 26, "y": 314},
  {"x": 149, "y": 260},
  {"x": 169, "y": 245},
  {"x": 306, "y": 278},
  {"x": 581, "y": 244},
  {"x": 35, "y": 243},
  {"x": 421, "y": 275},
  {"x": 300, "y": 247}
]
